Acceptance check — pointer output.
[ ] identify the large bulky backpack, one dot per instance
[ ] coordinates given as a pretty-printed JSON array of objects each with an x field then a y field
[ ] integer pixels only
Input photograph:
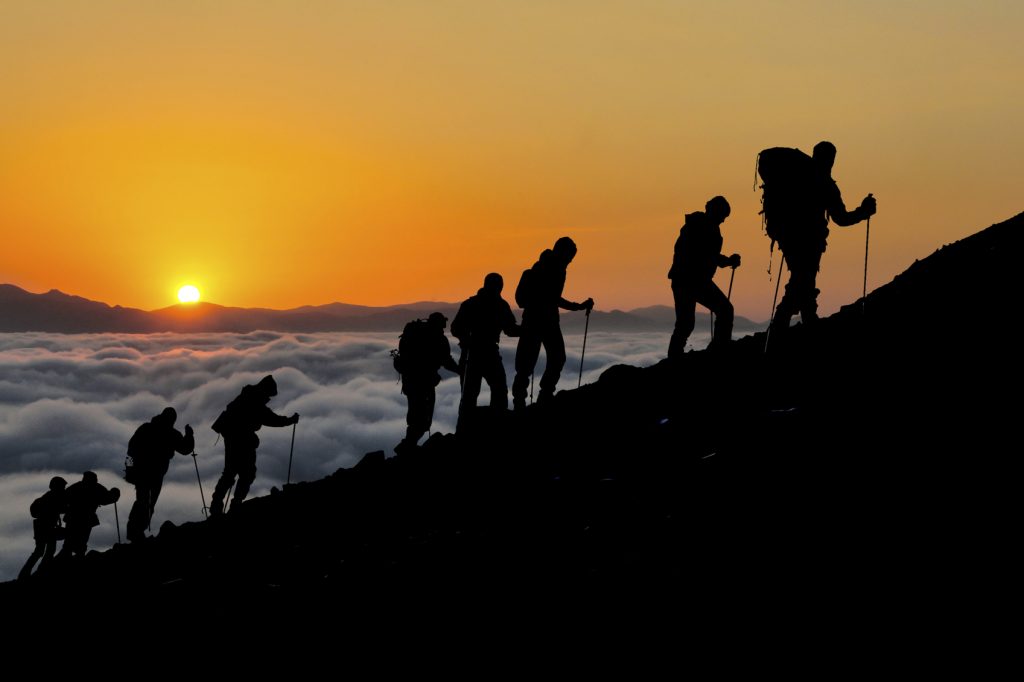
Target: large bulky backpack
[
  {"x": 787, "y": 177},
  {"x": 413, "y": 347}
]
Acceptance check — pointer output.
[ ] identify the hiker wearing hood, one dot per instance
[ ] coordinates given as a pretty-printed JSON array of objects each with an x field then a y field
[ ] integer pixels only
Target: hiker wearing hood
[
  {"x": 539, "y": 294},
  {"x": 238, "y": 424},
  {"x": 804, "y": 236},
  {"x": 46, "y": 528},
  {"x": 698, "y": 254},
  {"x": 82, "y": 499},
  {"x": 151, "y": 449},
  {"x": 478, "y": 326}
]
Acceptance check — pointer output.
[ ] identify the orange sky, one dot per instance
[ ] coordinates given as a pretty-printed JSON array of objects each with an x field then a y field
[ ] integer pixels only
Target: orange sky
[{"x": 283, "y": 153}]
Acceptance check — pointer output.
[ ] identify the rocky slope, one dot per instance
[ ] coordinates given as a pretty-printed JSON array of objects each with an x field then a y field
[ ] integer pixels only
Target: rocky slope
[{"x": 858, "y": 467}]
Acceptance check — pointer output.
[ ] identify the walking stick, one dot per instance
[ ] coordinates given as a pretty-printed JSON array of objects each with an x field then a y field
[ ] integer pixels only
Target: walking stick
[
  {"x": 768, "y": 334},
  {"x": 117, "y": 521},
  {"x": 586, "y": 328},
  {"x": 202, "y": 495},
  {"x": 867, "y": 238},
  {"x": 290, "y": 452}
]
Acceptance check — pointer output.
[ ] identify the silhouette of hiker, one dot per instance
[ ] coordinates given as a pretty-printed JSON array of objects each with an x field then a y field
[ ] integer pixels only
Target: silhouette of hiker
[
  {"x": 698, "y": 254},
  {"x": 46, "y": 528},
  {"x": 423, "y": 350},
  {"x": 803, "y": 241},
  {"x": 539, "y": 294},
  {"x": 82, "y": 500},
  {"x": 151, "y": 449},
  {"x": 238, "y": 423},
  {"x": 478, "y": 326}
]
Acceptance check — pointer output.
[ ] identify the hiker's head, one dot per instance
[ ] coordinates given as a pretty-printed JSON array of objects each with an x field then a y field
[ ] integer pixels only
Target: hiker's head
[
  {"x": 168, "y": 416},
  {"x": 437, "y": 321},
  {"x": 493, "y": 284},
  {"x": 267, "y": 386},
  {"x": 58, "y": 483},
  {"x": 825, "y": 154},
  {"x": 565, "y": 250},
  {"x": 89, "y": 477},
  {"x": 717, "y": 209}
]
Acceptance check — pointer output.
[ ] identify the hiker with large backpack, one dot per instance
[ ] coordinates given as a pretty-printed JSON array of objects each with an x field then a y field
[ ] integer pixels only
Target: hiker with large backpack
[
  {"x": 697, "y": 256},
  {"x": 46, "y": 529},
  {"x": 150, "y": 451},
  {"x": 799, "y": 198},
  {"x": 423, "y": 349},
  {"x": 539, "y": 294},
  {"x": 478, "y": 326},
  {"x": 238, "y": 424},
  {"x": 82, "y": 499}
]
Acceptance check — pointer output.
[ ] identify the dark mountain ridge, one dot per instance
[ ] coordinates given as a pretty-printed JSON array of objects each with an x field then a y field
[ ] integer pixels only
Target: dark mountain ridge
[
  {"x": 856, "y": 471},
  {"x": 57, "y": 312}
]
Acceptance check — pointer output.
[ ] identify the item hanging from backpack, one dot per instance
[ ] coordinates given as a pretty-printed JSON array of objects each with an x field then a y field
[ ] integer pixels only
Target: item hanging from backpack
[{"x": 130, "y": 470}]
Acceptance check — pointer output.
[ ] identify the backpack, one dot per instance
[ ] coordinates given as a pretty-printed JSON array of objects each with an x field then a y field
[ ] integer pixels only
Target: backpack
[
  {"x": 525, "y": 291},
  {"x": 786, "y": 175},
  {"x": 413, "y": 347},
  {"x": 37, "y": 508},
  {"x": 138, "y": 447},
  {"x": 223, "y": 422}
]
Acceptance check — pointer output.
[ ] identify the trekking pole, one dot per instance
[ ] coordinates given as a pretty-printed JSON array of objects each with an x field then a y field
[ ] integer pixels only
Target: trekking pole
[
  {"x": 290, "y": 452},
  {"x": 768, "y": 334},
  {"x": 867, "y": 238},
  {"x": 586, "y": 328},
  {"x": 117, "y": 522},
  {"x": 202, "y": 495}
]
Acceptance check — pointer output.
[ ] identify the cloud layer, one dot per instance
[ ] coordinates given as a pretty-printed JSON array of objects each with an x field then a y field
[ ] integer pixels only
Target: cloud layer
[{"x": 69, "y": 403}]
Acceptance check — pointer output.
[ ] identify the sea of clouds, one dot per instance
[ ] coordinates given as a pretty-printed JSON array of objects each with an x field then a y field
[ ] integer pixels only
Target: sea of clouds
[{"x": 69, "y": 403}]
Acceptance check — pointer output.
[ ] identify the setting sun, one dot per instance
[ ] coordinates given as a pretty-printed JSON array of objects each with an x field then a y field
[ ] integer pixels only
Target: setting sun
[{"x": 188, "y": 294}]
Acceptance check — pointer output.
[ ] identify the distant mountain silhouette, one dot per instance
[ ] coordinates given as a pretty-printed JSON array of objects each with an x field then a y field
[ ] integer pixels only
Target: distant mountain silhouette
[
  {"x": 55, "y": 311},
  {"x": 857, "y": 473}
]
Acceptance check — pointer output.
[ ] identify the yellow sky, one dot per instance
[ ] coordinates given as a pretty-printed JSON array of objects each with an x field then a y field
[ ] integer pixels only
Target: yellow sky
[{"x": 283, "y": 153}]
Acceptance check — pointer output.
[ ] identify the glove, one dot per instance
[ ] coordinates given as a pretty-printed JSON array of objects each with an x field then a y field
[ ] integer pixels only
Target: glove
[
  {"x": 734, "y": 260},
  {"x": 295, "y": 418},
  {"x": 869, "y": 206},
  {"x": 587, "y": 305},
  {"x": 117, "y": 493}
]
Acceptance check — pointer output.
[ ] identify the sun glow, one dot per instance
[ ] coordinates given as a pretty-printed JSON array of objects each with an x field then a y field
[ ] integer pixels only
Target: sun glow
[{"x": 188, "y": 294}]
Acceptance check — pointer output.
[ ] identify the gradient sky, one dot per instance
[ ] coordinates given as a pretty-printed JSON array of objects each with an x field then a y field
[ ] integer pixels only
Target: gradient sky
[{"x": 283, "y": 153}]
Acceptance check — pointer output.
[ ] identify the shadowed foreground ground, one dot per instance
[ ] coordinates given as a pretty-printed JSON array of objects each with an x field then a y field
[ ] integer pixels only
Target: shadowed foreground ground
[{"x": 858, "y": 470}]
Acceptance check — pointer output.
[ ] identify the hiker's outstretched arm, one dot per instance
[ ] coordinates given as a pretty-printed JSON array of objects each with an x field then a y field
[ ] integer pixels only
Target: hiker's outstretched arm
[
  {"x": 271, "y": 418},
  {"x": 843, "y": 218}
]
